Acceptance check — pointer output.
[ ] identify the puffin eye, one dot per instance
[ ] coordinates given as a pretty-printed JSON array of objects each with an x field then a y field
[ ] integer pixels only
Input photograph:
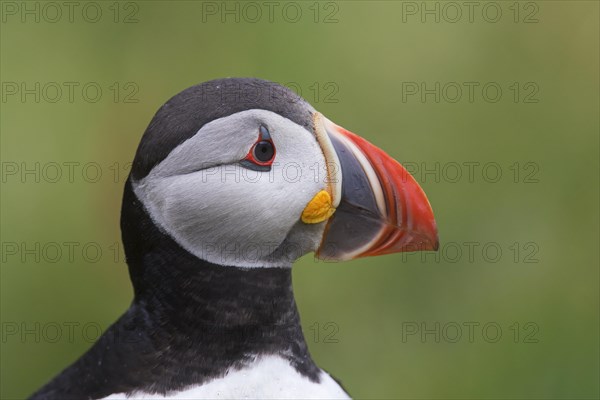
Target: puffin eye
[
  {"x": 261, "y": 154},
  {"x": 264, "y": 151}
]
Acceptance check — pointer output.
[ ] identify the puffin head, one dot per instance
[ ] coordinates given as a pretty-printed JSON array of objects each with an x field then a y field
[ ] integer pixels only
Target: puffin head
[{"x": 244, "y": 173}]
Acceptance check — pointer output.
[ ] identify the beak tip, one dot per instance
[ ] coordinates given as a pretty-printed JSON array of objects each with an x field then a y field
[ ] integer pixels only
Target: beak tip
[{"x": 423, "y": 243}]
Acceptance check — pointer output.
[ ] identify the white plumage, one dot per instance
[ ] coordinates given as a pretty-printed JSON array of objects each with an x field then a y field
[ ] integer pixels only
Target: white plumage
[{"x": 283, "y": 382}]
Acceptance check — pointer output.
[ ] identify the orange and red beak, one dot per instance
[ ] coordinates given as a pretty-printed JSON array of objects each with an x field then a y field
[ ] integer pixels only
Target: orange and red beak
[{"x": 379, "y": 207}]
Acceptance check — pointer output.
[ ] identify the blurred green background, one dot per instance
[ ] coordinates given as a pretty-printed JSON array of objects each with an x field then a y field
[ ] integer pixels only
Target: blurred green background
[{"x": 533, "y": 230}]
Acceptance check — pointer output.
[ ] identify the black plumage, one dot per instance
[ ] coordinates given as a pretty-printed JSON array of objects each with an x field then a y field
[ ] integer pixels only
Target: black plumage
[{"x": 189, "y": 321}]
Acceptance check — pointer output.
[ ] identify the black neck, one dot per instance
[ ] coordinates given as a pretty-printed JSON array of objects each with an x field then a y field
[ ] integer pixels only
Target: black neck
[
  {"x": 190, "y": 320},
  {"x": 222, "y": 314}
]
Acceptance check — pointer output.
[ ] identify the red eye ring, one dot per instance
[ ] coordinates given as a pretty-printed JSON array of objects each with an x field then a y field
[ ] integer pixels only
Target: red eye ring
[{"x": 262, "y": 152}]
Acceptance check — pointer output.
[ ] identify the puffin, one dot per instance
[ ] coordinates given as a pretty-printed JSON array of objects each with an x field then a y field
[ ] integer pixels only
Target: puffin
[{"x": 233, "y": 180}]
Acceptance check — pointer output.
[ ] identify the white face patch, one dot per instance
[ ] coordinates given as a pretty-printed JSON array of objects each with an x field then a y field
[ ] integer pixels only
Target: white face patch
[{"x": 231, "y": 215}]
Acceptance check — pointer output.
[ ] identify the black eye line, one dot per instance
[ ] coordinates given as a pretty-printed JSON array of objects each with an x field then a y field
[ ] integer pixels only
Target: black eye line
[
  {"x": 255, "y": 167},
  {"x": 264, "y": 133}
]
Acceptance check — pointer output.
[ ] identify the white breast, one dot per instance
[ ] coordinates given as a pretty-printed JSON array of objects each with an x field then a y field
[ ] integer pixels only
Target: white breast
[{"x": 269, "y": 377}]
